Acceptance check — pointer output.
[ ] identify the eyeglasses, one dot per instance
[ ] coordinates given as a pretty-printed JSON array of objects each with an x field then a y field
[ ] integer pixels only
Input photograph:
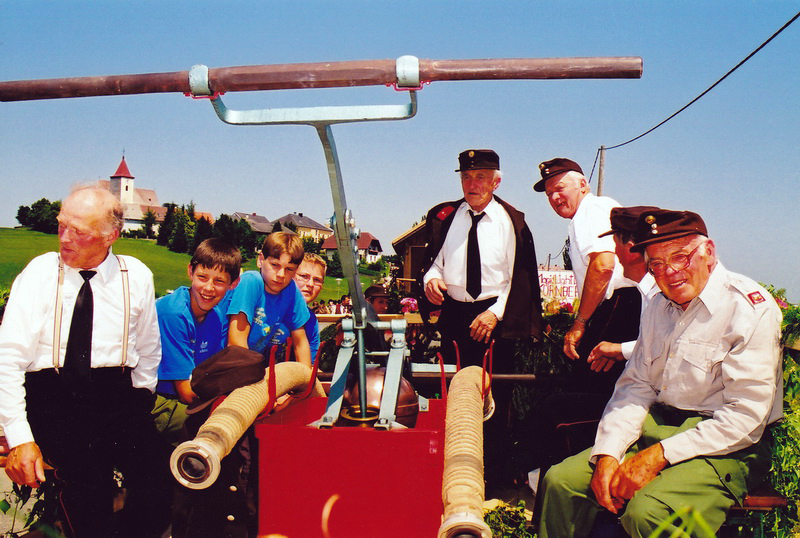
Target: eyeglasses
[
  {"x": 305, "y": 277},
  {"x": 678, "y": 262}
]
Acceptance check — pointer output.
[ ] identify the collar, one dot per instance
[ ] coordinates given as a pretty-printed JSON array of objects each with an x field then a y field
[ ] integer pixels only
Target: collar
[
  {"x": 105, "y": 270},
  {"x": 493, "y": 209},
  {"x": 583, "y": 206},
  {"x": 712, "y": 293},
  {"x": 647, "y": 285}
]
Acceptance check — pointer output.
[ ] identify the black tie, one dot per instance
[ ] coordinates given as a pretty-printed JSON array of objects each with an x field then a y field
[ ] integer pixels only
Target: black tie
[
  {"x": 78, "y": 358},
  {"x": 474, "y": 258}
]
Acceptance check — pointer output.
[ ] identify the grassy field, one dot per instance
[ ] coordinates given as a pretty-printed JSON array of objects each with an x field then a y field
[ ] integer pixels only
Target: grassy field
[{"x": 19, "y": 246}]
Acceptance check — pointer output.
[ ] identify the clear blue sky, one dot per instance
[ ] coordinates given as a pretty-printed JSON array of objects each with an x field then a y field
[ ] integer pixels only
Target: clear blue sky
[{"x": 733, "y": 157}]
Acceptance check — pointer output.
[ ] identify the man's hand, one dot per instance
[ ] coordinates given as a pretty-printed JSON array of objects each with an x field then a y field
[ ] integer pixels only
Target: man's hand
[
  {"x": 638, "y": 471},
  {"x": 572, "y": 338},
  {"x": 25, "y": 465},
  {"x": 600, "y": 484},
  {"x": 604, "y": 355},
  {"x": 482, "y": 326},
  {"x": 434, "y": 290}
]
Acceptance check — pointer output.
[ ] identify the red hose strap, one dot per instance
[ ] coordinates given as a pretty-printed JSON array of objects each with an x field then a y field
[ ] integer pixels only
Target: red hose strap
[{"x": 443, "y": 378}]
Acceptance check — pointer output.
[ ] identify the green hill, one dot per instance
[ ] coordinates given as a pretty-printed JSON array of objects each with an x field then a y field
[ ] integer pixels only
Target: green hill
[{"x": 20, "y": 245}]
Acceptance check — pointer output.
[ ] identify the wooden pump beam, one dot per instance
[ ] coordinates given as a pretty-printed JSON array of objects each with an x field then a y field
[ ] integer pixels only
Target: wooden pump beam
[{"x": 322, "y": 75}]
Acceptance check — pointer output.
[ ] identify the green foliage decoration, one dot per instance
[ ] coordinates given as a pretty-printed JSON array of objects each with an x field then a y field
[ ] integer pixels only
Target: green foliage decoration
[{"x": 507, "y": 521}]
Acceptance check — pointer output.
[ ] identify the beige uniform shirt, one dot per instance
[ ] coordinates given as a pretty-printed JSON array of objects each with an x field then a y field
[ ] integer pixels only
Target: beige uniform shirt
[{"x": 719, "y": 357}]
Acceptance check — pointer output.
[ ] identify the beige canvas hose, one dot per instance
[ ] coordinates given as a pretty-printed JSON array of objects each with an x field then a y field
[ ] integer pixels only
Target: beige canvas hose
[
  {"x": 462, "y": 482},
  {"x": 196, "y": 463}
]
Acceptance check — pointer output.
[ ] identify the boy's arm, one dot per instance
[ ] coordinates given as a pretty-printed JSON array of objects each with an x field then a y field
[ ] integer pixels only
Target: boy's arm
[
  {"x": 184, "y": 389},
  {"x": 239, "y": 330},
  {"x": 302, "y": 349}
]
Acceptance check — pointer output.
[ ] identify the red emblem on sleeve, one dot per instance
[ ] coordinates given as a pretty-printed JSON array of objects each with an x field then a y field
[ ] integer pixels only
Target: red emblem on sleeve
[
  {"x": 756, "y": 297},
  {"x": 445, "y": 212}
]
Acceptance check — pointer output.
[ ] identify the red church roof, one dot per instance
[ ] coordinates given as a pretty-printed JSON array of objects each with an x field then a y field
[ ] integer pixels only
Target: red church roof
[{"x": 122, "y": 170}]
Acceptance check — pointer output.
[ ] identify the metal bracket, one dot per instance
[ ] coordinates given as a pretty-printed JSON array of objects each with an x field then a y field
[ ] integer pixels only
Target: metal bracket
[{"x": 322, "y": 118}]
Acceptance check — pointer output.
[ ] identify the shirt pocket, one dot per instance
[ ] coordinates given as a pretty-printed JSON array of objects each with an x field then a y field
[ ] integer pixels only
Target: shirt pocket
[{"x": 698, "y": 372}]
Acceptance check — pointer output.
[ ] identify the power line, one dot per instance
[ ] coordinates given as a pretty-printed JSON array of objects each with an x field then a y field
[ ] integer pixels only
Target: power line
[{"x": 764, "y": 44}]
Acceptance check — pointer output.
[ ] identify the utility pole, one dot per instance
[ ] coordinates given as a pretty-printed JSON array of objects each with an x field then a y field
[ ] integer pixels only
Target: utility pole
[{"x": 600, "y": 172}]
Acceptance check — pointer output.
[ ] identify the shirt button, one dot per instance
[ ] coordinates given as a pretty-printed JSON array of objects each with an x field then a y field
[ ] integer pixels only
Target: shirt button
[{"x": 728, "y": 477}]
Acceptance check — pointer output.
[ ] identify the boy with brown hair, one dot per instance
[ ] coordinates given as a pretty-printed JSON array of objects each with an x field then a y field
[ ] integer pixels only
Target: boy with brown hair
[
  {"x": 269, "y": 298},
  {"x": 193, "y": 325}
]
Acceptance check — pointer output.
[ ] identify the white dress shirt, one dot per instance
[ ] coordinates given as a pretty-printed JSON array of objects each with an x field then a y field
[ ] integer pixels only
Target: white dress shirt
[
  {"x": 720, "y": 357},
  {"x": 593, "y": 218},
  {"x": 647, "y": 289},
  {"x": 26, "y": 334},
  {"x": 498, "y": 251}
]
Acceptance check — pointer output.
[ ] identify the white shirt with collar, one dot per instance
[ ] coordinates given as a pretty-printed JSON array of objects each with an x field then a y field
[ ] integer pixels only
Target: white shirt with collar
[
  {"x": 720, "y": 357},
  {"x": 592, "y": 219},
  {"x": 647, "y": 289},
  {"x": 498, "y": 250},
  {"x": 26, "y": 334}
]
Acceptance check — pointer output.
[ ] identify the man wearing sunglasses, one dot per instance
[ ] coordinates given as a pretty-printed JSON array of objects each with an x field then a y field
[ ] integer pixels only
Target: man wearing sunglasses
[{"x": 688, "y": 423}]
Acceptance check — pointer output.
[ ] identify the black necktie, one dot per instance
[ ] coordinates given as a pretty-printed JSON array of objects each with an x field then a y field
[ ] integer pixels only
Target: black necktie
[
  {"x": 474, "y": 258},
  {"x": 78, "y": 358}
]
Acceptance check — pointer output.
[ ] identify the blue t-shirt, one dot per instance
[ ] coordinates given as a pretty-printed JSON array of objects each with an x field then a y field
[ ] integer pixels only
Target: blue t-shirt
[
  {"x": 266, "y": 312},
  {"x": 184, "y": 342},
  {"x": 311, "y": 327}
]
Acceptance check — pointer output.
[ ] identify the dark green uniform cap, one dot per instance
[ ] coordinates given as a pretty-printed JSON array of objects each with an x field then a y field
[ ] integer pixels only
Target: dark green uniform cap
[
  {"x": 665, "y": 225},
  {"x": 478, "y": 159}
]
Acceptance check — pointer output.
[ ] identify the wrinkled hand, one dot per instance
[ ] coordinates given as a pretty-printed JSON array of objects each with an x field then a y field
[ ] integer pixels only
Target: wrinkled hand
[
  {"x": 601, "y": 479},
  {"x": 604, "y": 355},
  {"x": 572, "y": 338},
  {"x": 25, "y": 465},
  {"x": 638, "y": 471},
  {"x": 434, "y": 290},
  {"x": 482, "y": 326}
]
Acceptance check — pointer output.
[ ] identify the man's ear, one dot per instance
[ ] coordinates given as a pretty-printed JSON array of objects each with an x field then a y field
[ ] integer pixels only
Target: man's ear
[{"x": 497, "y": 183}]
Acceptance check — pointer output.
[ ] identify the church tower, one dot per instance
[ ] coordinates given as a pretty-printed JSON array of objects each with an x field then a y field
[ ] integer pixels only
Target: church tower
[{"x": 121, "y": 184}]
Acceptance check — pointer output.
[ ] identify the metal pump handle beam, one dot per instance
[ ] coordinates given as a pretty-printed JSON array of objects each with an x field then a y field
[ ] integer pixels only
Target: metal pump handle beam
[{"x": 324, "y": 75}]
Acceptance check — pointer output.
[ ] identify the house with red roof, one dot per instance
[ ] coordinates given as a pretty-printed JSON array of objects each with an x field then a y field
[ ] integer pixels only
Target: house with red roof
[{"x": 369, "y": 248}]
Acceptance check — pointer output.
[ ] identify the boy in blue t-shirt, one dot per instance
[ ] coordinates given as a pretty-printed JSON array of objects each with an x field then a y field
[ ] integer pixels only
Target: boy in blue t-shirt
[
  {"x": 193, "y": 327},
  {"x": 269, "y": 298},
  {"x": 309, "y": 278}
]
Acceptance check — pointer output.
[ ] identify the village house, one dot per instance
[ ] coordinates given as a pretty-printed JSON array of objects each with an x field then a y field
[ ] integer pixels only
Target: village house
[{"x": 369, "y": 248}]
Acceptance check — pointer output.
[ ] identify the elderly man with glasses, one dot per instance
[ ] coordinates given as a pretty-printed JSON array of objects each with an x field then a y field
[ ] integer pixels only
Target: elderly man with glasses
[{"x": 688, "y": 423}]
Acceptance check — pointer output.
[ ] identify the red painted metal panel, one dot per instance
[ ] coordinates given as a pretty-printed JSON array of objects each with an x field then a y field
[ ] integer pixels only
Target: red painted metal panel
[{"x": 375, "y": 483}]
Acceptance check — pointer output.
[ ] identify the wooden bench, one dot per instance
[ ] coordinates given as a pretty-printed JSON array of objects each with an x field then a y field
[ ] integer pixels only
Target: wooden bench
[{"x": 760, "y": 502}]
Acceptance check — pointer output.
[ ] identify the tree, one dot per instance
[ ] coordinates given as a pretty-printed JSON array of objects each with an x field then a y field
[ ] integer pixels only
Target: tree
[
  {"x": 23, "y": 215},
  {"x": 565, "y": 256},
  {"x": 179, "y": 239},
  {"x": 290, "y": 226},
  {"x": 238, "y": 233},
  {"x": 148, "y": 222},
  {"x": 277, "y": 227},
  {"x": 335, "y": 265},
  {"x": 312, "y": 245},
  {"x": 202, "y": 231},
  {"x": 165, "y": 230},
  {"x": 246, "y": 239},
  {"x": 42, "y": 216}
]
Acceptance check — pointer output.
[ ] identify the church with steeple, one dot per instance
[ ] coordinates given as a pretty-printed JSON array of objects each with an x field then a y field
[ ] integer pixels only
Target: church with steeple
[{"x": 135, "y": 202}]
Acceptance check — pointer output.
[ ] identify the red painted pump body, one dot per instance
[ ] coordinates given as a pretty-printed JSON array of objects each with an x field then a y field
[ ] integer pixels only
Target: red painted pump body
[{"x": 375, "y": 483}]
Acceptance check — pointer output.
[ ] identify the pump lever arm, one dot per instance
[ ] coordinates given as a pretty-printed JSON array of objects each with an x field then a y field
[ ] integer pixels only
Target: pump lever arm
[{"x": 322, "y": 75}]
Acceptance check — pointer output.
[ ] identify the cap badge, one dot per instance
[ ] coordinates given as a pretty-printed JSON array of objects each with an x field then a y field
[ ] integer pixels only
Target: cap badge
[
  {"x": 756, "y": 297},
  {"x": 471, "y": 154},
  {"x": 541, "y": 166},
  {"x": 650, "y": 219}
]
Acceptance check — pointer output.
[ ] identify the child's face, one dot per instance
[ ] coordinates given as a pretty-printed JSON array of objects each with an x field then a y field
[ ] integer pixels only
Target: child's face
[
  {"x": 276, "y": 272},
  {"x": 207, "y": 289},
  {"x": 309, "y": 278}
]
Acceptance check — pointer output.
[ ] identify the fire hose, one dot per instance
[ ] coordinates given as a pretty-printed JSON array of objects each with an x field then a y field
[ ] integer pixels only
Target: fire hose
[
  {"x": 468, "y": 406},
  {"x": 196, "y": 463}
]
